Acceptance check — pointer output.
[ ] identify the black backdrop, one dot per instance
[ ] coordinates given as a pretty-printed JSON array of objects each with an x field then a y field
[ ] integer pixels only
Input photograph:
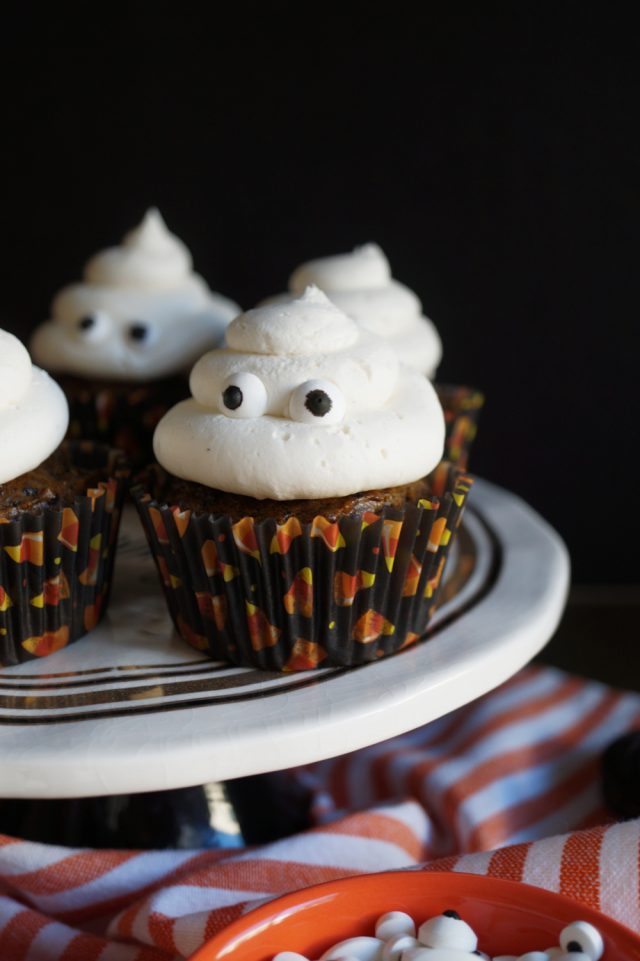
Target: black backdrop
[{"x": 493, "y": 155}]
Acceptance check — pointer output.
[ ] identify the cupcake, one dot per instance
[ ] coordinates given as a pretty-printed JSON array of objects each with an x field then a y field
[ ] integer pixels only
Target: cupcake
[
  {"x": 59, "y": 513},
  {"x": 295, "y": 518},
  {"x": 360, "y": 284},
  {"x": 123, "y": 340}
]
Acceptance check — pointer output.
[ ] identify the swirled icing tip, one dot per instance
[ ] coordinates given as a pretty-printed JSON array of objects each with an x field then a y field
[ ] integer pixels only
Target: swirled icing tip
[
  {"x": 313, "y": 295},
  {"x": 366, "y": 267},
  {"x": 149, "y": 256},
  {"x": 305, "y": 325},
  {"x": 152, "y": 233}
]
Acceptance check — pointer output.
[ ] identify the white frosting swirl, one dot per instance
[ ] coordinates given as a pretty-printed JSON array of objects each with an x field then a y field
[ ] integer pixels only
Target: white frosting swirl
[
  {"x": 286, "y": 413},
  {"x": 361, "y": 285},
  {"x": 149, "y": 256},
  {"x": 141, "y": 313},
  {"x": 33, "y": 411}
]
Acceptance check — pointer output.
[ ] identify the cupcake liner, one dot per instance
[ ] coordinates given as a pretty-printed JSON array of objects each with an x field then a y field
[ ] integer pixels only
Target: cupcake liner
[
  {"x": 123, "y": 415},
  {"x": 56, "y": 563},
  {"x": 296, "y": 596},
  {"x": 462, "y": 406}
]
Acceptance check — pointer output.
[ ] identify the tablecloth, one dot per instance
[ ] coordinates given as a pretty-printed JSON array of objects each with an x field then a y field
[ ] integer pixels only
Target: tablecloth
[{"x": 508, "y": 785}]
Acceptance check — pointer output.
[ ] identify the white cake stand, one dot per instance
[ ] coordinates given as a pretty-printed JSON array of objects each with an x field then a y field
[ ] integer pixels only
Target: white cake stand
[{"x": 131, "y": 708}]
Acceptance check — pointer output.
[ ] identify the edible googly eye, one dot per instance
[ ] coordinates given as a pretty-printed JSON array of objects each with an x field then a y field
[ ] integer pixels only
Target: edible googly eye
[
  {"x": 395, "y": 946},
  {"x": 289, "y": 956},
  {"x": 93, "y": 326},
  {"x": 363, "y": 948},
  {"x": 243, "y": 395},
  {"x": 448, "y": 930},
  {"x": 394, "y": 923},
  {"x": 139, "y": 332},
  {"x": 582, "y": 936},
  {"x": 317, "y": 402}
]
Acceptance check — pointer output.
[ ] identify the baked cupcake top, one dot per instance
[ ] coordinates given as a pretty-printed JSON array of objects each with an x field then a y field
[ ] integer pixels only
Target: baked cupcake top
[
  {"x": 140, "y": 314},
  {"x": 302, "y": 403},
  {"x": 33, "y": 411},
  {"x": 360, "y": 284}
]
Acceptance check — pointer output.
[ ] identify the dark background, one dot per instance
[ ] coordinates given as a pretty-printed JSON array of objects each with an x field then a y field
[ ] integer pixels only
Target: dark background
[{"x": 494, "y": 156}]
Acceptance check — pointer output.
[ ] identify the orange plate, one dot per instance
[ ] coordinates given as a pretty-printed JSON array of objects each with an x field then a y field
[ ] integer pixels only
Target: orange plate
[{"x": 509, "y": 917}]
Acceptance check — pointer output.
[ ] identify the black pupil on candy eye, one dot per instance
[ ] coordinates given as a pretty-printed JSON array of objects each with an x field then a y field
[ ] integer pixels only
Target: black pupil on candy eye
[
  {"x": 318, "y": 403},
  {"x": 232, "y": 397},
  {"x": 451, "y": 914},
  {"x": 138, "y": 331},
  {"x": 86, "y": 323},
  {"x": 573, "y": 946}
]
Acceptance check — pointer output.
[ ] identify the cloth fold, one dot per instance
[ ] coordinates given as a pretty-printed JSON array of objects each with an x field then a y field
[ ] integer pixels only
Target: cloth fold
[{"x": 507, "y": 786}]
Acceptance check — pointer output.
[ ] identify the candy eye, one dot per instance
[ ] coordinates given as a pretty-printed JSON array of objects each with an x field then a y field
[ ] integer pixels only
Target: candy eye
[
  {"x": 243, "y": 395},
  {"x": 317, "y": 402},
  {"x": 582, "y": 936},
  {"x": 448, "y": 930},
  {"x": 93, "y": 326},
  {"x": 139, "y": 332}
]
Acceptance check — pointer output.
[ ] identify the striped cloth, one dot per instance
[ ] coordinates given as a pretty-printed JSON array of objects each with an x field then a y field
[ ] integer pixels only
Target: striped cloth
[{"x": 507, "y": 786}]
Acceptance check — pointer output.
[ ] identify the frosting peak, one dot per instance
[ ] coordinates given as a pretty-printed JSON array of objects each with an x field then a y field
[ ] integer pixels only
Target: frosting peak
[
  {"x": 149, "y": 256},
  {"x": 301, "y": 327},
  {"x": 33, "y": 411},
  {"x": 303, "y": 403},
  {"x": 367, "y": 266}
]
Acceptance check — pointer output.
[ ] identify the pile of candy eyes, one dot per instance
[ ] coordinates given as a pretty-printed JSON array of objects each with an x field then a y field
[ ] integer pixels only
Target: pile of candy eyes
[{"x": 447, "y": 937}]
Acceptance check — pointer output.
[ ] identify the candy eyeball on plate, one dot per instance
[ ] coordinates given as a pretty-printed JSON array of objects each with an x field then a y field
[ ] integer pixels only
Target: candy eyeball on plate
[
  {"x": 581, "y": 938},
  {"x": 290, "y": 956},
  {"x": 448, "y": 930},
  {"x": 534, "y": 956},
  {"x": 395, "y": 946},
  {"x": 394, "y": 923},
  {"x": 360, "y": 948}
]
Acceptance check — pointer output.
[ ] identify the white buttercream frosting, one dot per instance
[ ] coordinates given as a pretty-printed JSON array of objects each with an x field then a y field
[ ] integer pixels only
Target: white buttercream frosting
[
  {"x": 140, "y": 314},
  {"x": 33, "y": 411},
  {"x": 288, "y": 411},
  {"x": 360, "y": 284}
]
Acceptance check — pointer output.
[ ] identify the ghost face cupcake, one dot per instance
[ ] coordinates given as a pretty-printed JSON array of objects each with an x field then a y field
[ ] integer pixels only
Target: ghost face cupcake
[
  {"x": 294, "y": 522},
  {"x": 59, "y": 511},
  {"x": 125, "y": 338}
]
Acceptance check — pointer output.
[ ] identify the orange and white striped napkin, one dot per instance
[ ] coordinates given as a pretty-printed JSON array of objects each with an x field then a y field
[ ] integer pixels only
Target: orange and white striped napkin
[{"x": 507, "y": 786}]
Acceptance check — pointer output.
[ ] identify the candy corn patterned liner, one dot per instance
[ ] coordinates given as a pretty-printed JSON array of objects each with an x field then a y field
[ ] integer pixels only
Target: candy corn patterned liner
[
  {"x": 56, "y": 564},
  {"x": 293, "y": 596},
  {"x": 462, "y": 406},
  {"x": 124, "y": 415}
]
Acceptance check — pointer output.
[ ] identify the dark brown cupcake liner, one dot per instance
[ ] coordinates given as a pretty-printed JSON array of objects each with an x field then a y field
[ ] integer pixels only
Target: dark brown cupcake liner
[
  {"x": 462, "y": 406},
  {"x": 56, "y": 564},
  {"x": 296, "y": 596},
  {"x": 123, "y": 414}
]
